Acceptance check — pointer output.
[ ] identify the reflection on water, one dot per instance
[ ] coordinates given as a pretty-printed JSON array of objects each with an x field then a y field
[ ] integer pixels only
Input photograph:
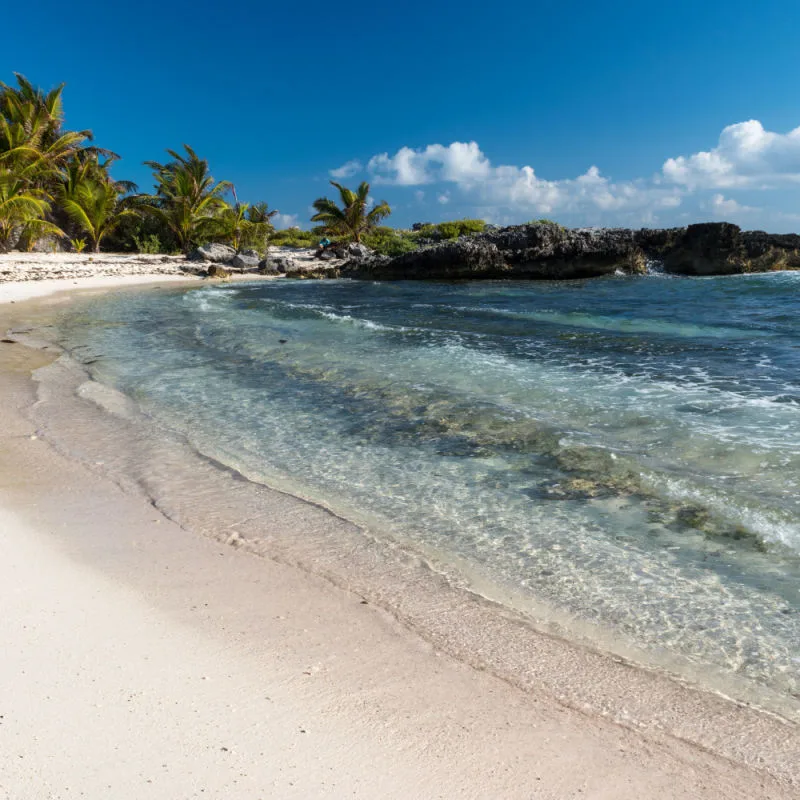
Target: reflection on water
[{"x": 625, "y": 450}]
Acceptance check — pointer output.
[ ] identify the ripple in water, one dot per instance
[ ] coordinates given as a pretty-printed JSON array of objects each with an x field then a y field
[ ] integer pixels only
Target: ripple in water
[{"x": 626, "y": 451}]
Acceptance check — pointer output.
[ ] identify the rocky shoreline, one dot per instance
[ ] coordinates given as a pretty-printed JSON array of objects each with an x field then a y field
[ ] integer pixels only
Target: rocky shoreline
[
  {"x": 547, "y": 251},
  {"x": 537, "y": 251}
]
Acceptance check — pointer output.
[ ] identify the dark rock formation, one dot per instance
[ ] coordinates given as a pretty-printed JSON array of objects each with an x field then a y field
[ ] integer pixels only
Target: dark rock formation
[
  {"x": 322, "y": 271},
  {"x": 719, "y": 248},
  {"x": 551, "y": 252},
  {"x": 546, "y": 250},
  {"x": 465, "y": 258},
  {"x": 216, "y": 271}
]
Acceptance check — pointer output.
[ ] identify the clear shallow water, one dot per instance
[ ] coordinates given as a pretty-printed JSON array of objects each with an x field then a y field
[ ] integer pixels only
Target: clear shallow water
[{"x": 625, "y": 451}]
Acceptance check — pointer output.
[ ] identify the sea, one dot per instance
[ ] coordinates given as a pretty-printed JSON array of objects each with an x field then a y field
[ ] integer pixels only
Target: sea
[{"x": 617, "y": 458}]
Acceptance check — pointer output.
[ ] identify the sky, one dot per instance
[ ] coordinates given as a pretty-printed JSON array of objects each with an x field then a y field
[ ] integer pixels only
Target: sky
[{"x": 607, "y": 112}]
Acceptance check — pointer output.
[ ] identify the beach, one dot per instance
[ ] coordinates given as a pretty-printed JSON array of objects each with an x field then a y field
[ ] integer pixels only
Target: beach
[{"x": 145, "y": 659}]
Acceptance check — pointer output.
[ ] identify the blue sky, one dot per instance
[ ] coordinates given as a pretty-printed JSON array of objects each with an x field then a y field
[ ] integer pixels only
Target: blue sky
[{"x": 615, "y": 113}]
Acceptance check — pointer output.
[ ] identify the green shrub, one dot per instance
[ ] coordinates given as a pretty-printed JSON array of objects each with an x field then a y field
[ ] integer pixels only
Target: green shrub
[
  {"x": 389, "y": 241},
  {"x": 149, "y": 243},
  {"x": 451, "y": 229},
  {"x": 460, "y": 227},
  {"x": 545, "y": 221},
  {"x": 294, "y": 237},
  {"x": 141, "y": 234}
]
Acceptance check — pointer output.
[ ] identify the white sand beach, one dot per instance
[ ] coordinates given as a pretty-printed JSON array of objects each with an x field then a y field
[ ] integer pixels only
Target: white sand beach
[{"x": 141, "y": 660}]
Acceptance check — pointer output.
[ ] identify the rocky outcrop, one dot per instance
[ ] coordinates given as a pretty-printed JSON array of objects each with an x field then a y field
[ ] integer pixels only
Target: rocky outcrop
[
  {"x": 216, "y": 271},
  {"x": 214, "y": 253},
  {"x": 247, "y": 259},
  {"x": 547, "y": 250},
  {"x": 272, "y": 266},
  {"x": 465, "y": 258},
  {"x": 719, "y": 248},
  {"x": 358, "y": 252},
  {"x": 322, "y": 271},
  {"x": 550, "y": 252},
  {"x": 543, "y": 251}
]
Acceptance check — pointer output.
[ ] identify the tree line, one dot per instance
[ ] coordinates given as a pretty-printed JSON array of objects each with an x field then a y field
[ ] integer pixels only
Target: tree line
[{"x": 57, "y": 185}]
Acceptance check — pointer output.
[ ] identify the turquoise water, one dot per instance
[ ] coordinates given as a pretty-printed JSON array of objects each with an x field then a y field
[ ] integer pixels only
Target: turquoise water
[{"x": 624, "y": 451}]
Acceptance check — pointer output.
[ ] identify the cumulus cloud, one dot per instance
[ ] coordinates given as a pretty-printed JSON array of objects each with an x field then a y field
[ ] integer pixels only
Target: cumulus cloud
[
  {"x": 723, "y": 206},
  {"x": 465, "y": 165},
  {"x": 746, "y": 155},
  {"x": 346, "y": 170},
  {"x": 281, "y": 221},
  {"x": 459, "y": 162}
]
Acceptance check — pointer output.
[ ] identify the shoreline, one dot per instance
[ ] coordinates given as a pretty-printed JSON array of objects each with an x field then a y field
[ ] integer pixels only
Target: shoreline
[{"x": 560, "y": 663}]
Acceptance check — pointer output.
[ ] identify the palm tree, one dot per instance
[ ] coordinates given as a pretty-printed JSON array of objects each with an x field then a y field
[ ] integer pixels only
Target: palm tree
[
  {"x": 96, "y": 207},
  {"x": 35, "y": 152},
  {"x": 187, "y": 199},
  {"x": 31, "y": 128},
  {"x": 86, "y": 165},
  {"x": 22, "y": 210},
  {"x": 234, "y": 226},
  {"x": 244, "y": 225},
  {"x": 352, "y": 220},
  {"x": 259, "y": 212}
]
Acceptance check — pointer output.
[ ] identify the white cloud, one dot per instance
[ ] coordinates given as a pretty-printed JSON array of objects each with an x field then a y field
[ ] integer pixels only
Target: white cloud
[
  {"x": 465, "y": 165},
  {"x": 746, "y": 155},
  {"x": 281, "y": 221},
  {"x": 346, "y": 170},
  {"x": 722, "y": 206},
  {"x": 458, "y": 162}
]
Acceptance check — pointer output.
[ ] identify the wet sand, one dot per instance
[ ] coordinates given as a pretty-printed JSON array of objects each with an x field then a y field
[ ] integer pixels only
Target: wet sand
[{"x": 143, "y": 660}]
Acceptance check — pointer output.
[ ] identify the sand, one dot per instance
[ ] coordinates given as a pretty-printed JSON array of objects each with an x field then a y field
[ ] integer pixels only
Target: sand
[{"x": 143, "y": 661}]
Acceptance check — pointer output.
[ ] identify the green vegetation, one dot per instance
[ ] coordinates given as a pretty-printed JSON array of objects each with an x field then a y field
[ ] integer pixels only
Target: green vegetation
[
  {"x": 187, "y": 199},
  {"x": 22, "y": 209},
  {"x": 96, "y": 207},
  {"x": 390, "y": 241},
  {"x": 452, "y": 230},
  {"x": 350, "y": 222},
  {"x": 244, "y": 226},
  {"x": 294, "y": 237},
  {"x": 148, "y": 244},
  {"x": 57, "y": 185},
  {"x": 545, "y": 221}
]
